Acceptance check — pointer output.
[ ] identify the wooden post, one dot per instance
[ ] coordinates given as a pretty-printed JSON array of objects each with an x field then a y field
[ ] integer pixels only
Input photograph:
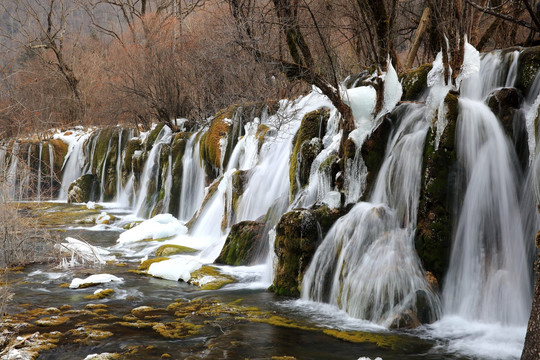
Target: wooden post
[{"x": 420, "y": 31}]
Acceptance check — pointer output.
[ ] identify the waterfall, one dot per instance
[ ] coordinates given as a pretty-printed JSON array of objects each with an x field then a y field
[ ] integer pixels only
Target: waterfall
[
  {"x": 192, "y": 193},
  {"x": 51, "y": 169},
  {"x": 119, "y": 164},
  {"x": 488, "y": 277},
  {"x": 104, "y": 170},
  {"x": 168, "y": 184},
  {"x": 367, "y": 264},
  {"x": 39, "y": 171},
  {"x": 74, "y": 164},
  {"x": 148, "y": 185},
  {"x": 12, "y": 172}
]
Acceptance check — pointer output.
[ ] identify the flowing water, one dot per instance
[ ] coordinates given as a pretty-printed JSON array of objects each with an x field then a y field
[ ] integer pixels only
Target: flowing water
[{"x": 365, "y": 277}]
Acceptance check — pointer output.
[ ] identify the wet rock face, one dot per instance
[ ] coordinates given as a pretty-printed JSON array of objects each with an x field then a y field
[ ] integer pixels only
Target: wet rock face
[
  {"x": 505, "y": 104},
  {"x": 414, "y": 82},
  {"x": 373, "y": 151},
  {"x": 84, "y": 189},
  {"x": 528, "y": 66},
  {"x": 313, "y": 126},
  {"x": 434, "y": 229},
  {"x": 297, "y": 238},
  {"x": 242, "y": 243},
  {"x": 531, "y": 349}
]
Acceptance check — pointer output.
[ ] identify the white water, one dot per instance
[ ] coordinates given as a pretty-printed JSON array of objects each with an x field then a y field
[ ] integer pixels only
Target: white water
[
  {"x": 148, "y": 185},
  {"x": 192, "y": 194},
  {"x": 367, "y": 264}
]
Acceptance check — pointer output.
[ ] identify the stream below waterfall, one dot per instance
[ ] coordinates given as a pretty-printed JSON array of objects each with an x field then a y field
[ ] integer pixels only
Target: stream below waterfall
[{"x": 281, "y": 327}]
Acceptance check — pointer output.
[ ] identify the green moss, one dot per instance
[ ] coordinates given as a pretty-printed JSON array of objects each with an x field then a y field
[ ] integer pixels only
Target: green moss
[
  {"x": 382, "y": 341},
  {"x": 84, "y": 189},
  {"x": 297, "y": 237},
  {"x": 209, "y": 278},
  {"x": 313, "y": 125},
  {"x": 414, "y": 82},
  {"x": 60, "y": 150},
  {"x": 100, "y": 295},
  {"x": 262, "y": 130},
  {"x": 176, "y": 330},
  {"x": 373, "y": 151},
  {"x": 241, "y": 244},
  {"x": 127, "y": 166},
  {"x": 210, "y": 147},
  {"x": 528, "y": 66},
  {"x": 434, "y": 229},
  {"x": 145, "y": 265},
  {"x": 170, "y": 249},
  {"x": 152, "y": 136}
]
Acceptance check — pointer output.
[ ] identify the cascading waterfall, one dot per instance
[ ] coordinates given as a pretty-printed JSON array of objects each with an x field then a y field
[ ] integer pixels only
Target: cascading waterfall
[
  {"x": 192, "y": 193},
  {"x": 488, "y": 278},
  {"x": 12, "y": 172},
  {"x": 367, "y": 264},
  {"x": 39, "y": 171},
  {"x": 51, "y": 169},
  {"x": 148, "y": 184},
  {"x": 74, "y": 164}
]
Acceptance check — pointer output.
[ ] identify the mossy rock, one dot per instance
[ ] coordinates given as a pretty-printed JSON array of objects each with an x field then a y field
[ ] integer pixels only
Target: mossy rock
[
  {"x": 85, "y": 188},
  {"x": 297, "y": 238},
  {"x": 313, "y": 125},
  {"x": 239, "y": 181},
  {"x": 433, "y": 237},
  {"x": 127, "y": 165},
  {"x": 326, "y": 217},
  {"x": 505, "y": 104},
  {"x": 152, "y": 136},
  {"x": 414, "y": 82},
  {"x": 528, "y": 66},
  {"x": 262, "y": 130},
  {"x": 211, "y": 141},
  {"x": 177, "y": 330},
  {"x": 307, "y": 154},
  {"x": 374, "y": 148},
  {"x": 209, "y": 278},
  {"x": 60, "y": 150},
  {"x": 242, "y": 243},
  {"x": 145, "y": 265},
  {"x": 170, "y": 249}
]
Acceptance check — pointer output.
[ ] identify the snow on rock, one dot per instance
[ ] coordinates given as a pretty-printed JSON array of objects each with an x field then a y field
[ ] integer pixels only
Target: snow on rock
[
  {"x": 81, "y": 252},
  {"x": 94, "y": 279},
  {"x": 436, "y": 74},
  {"x": 103, "y": 218},
  {"x": 362, "y": 101},
  {"x": 471, "y": 64},
  {"x": 392, "y": 90},
  {"x": 159, "y": 227},
  {"x": 178, "y": 268}
]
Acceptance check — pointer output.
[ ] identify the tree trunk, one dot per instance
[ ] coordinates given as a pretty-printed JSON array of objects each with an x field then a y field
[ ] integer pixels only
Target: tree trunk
[{"x": 420, "y": 31}]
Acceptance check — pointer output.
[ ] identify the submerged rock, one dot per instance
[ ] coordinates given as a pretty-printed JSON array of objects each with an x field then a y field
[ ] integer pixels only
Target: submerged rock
[
  {"x": 84, "y": 189},
  {"x": 242, "y": 243},
  {"x": 297, "y": 238}
]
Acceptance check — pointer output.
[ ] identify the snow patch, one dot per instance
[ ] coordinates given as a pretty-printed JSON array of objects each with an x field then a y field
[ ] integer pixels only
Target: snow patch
[
  {"x": 159, "y": 227},
  {"x": 94, "y": 279},
  {"x": 178, "y": 268}
]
